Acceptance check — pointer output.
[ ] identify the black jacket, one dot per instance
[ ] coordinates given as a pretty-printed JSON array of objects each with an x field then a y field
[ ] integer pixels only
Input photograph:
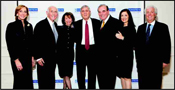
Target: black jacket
[
  {"x": 19, "y": 40},
  {"x": 45, "y": 45},
  {"x": 157, "y": 51}
]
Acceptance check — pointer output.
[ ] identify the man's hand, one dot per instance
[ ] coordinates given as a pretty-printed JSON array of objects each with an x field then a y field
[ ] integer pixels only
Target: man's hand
[
  {"x": 165, "y": 65},
  {"x": 18, "y": 65},
  {"x": 41, "y": 62}
]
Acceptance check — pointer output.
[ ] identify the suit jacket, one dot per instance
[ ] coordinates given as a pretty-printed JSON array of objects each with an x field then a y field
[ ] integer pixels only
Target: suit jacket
[
  {"x": 157, "y": 51},
  {"x": 45, "y": 45},
  {"x": 78, "y": 33},
  {"x": 108, "y": 44},
  {"x": 19, "y": 41}
]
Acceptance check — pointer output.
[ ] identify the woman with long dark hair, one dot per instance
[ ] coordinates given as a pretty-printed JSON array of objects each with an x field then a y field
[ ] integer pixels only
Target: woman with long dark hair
[{"x": 127, "y": 35}]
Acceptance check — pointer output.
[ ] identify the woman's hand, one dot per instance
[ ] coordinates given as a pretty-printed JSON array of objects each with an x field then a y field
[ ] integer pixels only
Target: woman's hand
[
  {"x": 119, "y": 35},
  {"x": 18, "y": 65}
]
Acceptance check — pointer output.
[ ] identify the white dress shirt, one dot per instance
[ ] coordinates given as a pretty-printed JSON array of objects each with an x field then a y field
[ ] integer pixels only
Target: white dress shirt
[
  {"x": 105, "y": 20},
  {"x": 91, "y": 33}
]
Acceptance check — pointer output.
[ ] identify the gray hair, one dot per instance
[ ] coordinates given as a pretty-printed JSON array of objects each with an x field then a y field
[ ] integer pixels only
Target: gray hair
[
  {"x": 50, "y": 7},
  {"x": 151, "y": 6},
  {"x": 85, "y": 6}
]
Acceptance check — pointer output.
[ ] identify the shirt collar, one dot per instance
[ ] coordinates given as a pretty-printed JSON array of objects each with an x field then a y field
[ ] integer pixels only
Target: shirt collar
[
  {"x": 106, "y": 19},
  {"x": 84, "y": 21},
  {"x": 152, "y": 23},
  {"x": 50, "y": 22}
]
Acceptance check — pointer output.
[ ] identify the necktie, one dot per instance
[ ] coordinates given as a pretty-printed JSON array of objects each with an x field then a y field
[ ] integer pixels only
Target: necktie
[
  {"x": 86, "y": 36},
  {"x": 55, "y": 33},
  {"x": 103, "y": 24},
  {"x": 148, "y": 32}
]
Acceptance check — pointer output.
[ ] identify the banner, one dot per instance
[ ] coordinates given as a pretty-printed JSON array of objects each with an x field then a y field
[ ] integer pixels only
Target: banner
[{"x": 37, "y": 12}]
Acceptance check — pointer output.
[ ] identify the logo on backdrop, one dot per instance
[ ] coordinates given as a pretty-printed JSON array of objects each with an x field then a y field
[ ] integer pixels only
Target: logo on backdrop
[
  {"x": 86, "y": 80},
  {"x": 33, "y": 9},
  {"x": 60, "y": 9},
  {"x": 110, "y": 9},
  {"x": 36, "y": 9},
  {"x": 134, "y": 9}
]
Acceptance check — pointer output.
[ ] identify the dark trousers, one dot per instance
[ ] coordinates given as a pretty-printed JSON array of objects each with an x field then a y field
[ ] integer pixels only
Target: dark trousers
[
  {"x": 149, "y": 80},
  {"x": 106, "y": 81},
  {"x": 46, "y": 74},
  {"x": 106, "y": 74},
  {"x": 86, "y": 58},
  {"x": 23, "y": 79}
]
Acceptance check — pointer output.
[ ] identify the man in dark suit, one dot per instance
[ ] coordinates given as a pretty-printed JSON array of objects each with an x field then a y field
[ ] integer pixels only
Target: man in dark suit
[
  {"x": 153, "y": 47},
  {"x": 45, "y": 36},
  {"x": 108, "y": 47},
  {"x": 86, "y": 34}
]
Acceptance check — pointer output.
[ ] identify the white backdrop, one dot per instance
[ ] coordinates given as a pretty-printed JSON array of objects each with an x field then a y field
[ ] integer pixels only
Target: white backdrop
[{"x": 38, "y": 12}]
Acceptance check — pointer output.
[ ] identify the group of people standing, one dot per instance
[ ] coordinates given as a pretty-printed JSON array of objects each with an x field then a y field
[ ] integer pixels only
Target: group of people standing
[{"x": 104, "y": 46}]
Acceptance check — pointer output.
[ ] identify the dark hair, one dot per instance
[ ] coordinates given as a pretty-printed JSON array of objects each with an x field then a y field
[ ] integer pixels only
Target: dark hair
[
  {"x": 130, "y": 20},
  {"x": 107, "y": 8},
  {"x": 18, "y": 8},
  {"x": 69, "y": 14}
]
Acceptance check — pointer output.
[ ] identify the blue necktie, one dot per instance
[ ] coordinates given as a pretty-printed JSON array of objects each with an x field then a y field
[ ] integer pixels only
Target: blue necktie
[{"x": 148, "y": 32}]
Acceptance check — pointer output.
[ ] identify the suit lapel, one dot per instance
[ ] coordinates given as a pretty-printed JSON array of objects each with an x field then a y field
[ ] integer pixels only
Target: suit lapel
[
  {"x": 144, "y": 32},
  {"x": 93, "y": 26},
  {"x": 94, "y": 29},
  {"x": 100, "y": 25},
  {"x": 153, "y": 30},
  {"x": 47, "y": 23},
  {"x": 80, "y": 29},
  {"x": 106, "y": 23},
  {"x": 50, "y": 32}
]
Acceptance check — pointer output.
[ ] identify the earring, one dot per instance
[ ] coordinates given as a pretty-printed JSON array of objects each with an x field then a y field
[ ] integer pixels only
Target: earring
[{"x": 16, "y": 14}]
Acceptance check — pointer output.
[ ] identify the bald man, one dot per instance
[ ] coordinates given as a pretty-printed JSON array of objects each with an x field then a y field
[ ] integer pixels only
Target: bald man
[{"x": 45, "y": 36}]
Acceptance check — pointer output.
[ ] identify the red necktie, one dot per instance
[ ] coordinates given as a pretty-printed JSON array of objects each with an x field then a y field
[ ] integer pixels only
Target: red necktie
[{"x": 86, "y": 36}]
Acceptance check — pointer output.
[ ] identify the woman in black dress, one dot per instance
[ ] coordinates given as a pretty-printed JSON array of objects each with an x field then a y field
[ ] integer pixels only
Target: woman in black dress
[
  {"x": 127, "y": 35},
  {"x": 19, "y": 36},
  {"x": 66, "y": 49}
]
